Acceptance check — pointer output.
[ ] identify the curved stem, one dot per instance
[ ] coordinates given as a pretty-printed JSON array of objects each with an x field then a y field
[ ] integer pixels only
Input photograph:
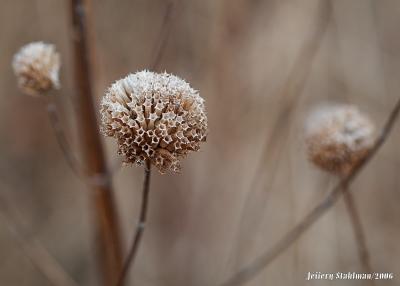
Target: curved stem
[
  {"x": 55, "y": 122},
  {"x": 139, "y": 228},
  {"x": 164, "y": 35}
]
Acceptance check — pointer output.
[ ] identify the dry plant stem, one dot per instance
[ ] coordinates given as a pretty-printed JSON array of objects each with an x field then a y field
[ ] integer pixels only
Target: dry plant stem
[
  {"x": 130, "y": 260},
  {"x": 253, "y": 268},
  {"x": 40, "y": 258},
  {"x": 106, "y": 222},
  {"x": 159, "y": 51},
  {"x": 62, "y": 140},
  {"x": 358, "y": 231},
  {"x": 66, "y": 149},
  {"x": 164, "y": 35}
]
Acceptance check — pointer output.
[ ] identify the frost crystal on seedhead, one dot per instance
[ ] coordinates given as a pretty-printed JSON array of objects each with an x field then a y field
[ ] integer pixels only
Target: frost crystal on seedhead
[
  {"x": 37, "y": 66},
  {"x": 338, "y": 137},
  {"x": 154, "y": 117}
]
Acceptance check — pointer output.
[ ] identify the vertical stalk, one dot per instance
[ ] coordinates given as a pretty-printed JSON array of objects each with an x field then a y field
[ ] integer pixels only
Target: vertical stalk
[
  {"x": 359, "y": 232},
  {"x": 61, "y": 137},
  {"x": 139, "y": 228},
  {"x": 106, "y": 224}
]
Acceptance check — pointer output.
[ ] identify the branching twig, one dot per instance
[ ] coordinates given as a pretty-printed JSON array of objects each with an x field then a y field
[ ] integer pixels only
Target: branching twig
[
  {"x": 358, "y": 231},
  {"x": 252, "y": 269},
  {"x": 107, "y": 225},
  {"x": 139, "y": 228}
]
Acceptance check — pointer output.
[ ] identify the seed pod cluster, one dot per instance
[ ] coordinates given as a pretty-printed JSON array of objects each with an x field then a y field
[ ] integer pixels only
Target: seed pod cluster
[
  {"x": 154, "y": 117},
  {"x": 338, "y": 137},
  {"x": 37, "y": 66}
]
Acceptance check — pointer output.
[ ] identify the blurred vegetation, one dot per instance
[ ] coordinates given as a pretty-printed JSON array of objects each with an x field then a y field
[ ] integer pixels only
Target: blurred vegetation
[{"x": 261, "y": 66}]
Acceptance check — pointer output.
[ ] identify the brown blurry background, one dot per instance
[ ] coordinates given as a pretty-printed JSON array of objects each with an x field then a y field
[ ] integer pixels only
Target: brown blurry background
[{"x": 261, "y": 66}]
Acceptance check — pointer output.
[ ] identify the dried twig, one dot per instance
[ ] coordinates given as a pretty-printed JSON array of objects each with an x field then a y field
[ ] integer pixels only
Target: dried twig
[
  {"x": 358, "y": 231},
  {"x": 164, "y": 35},
  {"x": 59, "y": 133},
  {"x": 68, "y": 153},
  {"x": 107, "y": 226},
  {"x": 159, "y": 51},
  {"x": 253, "y": 268},
  {"x": 139, "y": 228}
]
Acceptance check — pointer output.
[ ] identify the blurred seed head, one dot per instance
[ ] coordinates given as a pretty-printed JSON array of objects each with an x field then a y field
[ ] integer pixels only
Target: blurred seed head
[
  {"x": 337, "y": 137},
  {"x": 37, "y": 66},
  {"x": 154, "y": 117}
]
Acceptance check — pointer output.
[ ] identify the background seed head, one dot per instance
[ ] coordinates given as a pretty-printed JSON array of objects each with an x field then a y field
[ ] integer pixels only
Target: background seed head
[
  {"x": 37, "y": 66},
  {"x": 338, "y": 137},
  {"x": 154, "y": 117}
]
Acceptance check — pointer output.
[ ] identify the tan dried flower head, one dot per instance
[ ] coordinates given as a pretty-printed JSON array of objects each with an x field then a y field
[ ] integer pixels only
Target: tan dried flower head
[
  {"x": 338, "y": 137},
  {"x": 154, "y": 117},
  {"x": 37, "y": 66}
]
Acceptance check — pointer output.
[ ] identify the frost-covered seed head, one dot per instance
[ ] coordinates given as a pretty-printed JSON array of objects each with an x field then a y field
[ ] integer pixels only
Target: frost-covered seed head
[
  {"x": 158, "y": 114},
  {"x": 338, "y": 137},
  {"x": 37, "y": 66}
]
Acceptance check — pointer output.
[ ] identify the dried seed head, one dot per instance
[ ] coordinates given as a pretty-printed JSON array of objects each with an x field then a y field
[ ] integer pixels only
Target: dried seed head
[
  {"x": 37, "y": 66},
  {"x": 338, "y": 137},
  {"x": 154, "y": 117}
]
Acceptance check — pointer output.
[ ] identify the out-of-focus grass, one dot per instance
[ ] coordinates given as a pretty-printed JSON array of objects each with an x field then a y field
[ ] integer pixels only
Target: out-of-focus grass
[{"x": 194, "y": 218}]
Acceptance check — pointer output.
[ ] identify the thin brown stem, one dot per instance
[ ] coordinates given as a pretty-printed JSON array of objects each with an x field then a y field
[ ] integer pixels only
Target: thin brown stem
[
  {"x": 130, "y": 260},
  {"x": 358, "y": 229},
  {"x": 158, "y": 54},
  {"x": 253, "y": 268},
  {"x": 106, "y": 222},
  {"x": 59, "y": 133},
  {"x": 68, "y": 153},
  {"x": 164, "y": 35}
]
